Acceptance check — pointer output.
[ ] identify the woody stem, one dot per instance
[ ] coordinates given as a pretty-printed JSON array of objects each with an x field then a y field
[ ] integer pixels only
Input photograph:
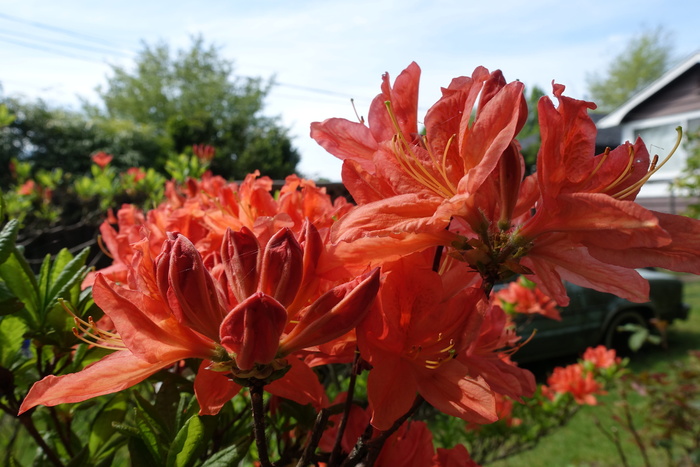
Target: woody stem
[
  {"x": 256, "y": 399},
  {"x": 346, "y": 410}
]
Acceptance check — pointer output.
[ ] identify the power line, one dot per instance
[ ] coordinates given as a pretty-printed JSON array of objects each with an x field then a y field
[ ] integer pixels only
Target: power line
[
  {"x": 49, "y": 27},
  {"x": 73, "y": 45},
  {"x": 47, "y": 49}
]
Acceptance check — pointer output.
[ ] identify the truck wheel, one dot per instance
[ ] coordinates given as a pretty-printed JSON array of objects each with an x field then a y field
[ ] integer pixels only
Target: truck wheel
[{"x": 619, "y": 340}]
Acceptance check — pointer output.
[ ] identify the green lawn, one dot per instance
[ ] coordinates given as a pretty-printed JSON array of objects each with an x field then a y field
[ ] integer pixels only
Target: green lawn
[{"x": 581, "y": 443}]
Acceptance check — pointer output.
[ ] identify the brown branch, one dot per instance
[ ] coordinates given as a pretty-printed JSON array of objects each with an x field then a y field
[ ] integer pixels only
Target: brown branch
[
  {"x": 319, "y": 427},
  {"x": 256, "y": 399},
  {"x": 28, "y": 423},
  {"x": 335, "y": 454}
]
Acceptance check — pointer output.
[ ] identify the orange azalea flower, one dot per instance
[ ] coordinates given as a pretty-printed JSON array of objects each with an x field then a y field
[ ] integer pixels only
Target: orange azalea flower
[
  {"x": 574, "y": 380},
  {"x": 204, "y": 152},
  {"x": 412, "y": 352},
  {"x": 601, "y": 356},
  {"x": 462, "y": 186},
  {"x": 457, "y": 456},
  {"x": 411, "y": 446},
  {"x": 28, "y": 188},
  {"x": 405, "y": 182},
  {"x": 102, "y": 159},
  {"x": 526, "y": 299},
  {"x": 136, "y": 173}
]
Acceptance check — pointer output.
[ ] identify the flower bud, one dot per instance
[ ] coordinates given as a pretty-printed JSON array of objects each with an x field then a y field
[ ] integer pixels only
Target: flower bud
[
  {"x": 187, "y": 286},
  {"x": 252, "y": 330}
]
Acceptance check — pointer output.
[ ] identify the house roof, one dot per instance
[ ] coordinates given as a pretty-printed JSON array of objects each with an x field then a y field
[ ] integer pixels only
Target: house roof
[{"x": 615, "y": 117}]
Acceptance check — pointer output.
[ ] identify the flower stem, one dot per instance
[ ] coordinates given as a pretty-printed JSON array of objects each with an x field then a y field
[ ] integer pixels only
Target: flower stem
[
  {"x": 371, "y": 449},
  {"x": 319, "y": 426},
  {"x": 256, "y": 399},
  {"x": 346, "y": 410}
]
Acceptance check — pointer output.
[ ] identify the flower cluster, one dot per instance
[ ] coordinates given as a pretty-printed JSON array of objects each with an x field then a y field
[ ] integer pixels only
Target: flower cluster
[
  {"x": 580, "y": 379},
  {"x": 264, "y": 288}
]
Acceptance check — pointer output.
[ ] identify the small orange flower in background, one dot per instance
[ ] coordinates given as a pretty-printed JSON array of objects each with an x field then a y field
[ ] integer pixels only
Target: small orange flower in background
[
  {"x": 573, "y": 379},
  {"x": 137, "y": 173},
  {"x": 523, "y": 296},
  {"x": 601, "y": 356},
  {"x": 102, "y": 159},
  {"x": 204, "y": 152},
  {"x": 28, "y": 188}
]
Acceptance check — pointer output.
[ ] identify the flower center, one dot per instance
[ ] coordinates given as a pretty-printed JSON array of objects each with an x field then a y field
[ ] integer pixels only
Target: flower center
[{"x": 412, "y": 165}]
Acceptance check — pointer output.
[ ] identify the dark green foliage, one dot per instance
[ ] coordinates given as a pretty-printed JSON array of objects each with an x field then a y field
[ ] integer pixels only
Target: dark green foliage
[{"x": 192, "y": 97}]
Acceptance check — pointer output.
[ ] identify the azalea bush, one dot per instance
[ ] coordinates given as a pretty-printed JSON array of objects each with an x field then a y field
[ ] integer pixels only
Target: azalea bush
[
  {"x": 522, "y": 425},
  {"x": 237, "y": 325},
  {"x": 663, "y": 426}
]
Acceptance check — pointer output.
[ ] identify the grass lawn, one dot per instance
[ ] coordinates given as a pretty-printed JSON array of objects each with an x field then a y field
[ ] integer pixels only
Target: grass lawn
[{"x": 581, "y": 443}]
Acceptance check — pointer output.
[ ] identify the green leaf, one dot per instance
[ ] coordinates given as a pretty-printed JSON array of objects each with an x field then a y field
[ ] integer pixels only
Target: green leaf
[
  {"x": 189, "y": 443},
  {"x": 3, "y": 207},
  {"x": 66, "y": 272},
  {"x": 8, "y": 237},
  {"x": 140, "y": 455},
  {"x": 9, "y": 304},
  {"x": 638, "y": 338},
  {"x": 12, "y": 331},
  {"x": 147, "y": 434},
  {"x": 20, "y": 279},
  {"x": 43, "y": 278},
  {"x": 102, "y": 428},
  {"x": 232, "y": 455}
]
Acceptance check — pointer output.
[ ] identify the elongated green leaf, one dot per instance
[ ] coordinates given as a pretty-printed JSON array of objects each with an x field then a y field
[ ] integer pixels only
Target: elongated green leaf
[
  {"x": 8, "y": 237},
  {"x": 140, "y": 455},
  {"x": 20, "y": 279},
  {"x": 232, "y": 455},
  {"x": 12, "y": 331},
  {"x": 43, "y": 280},
  {"x": 147, "y": 434},
  {"x": 189, "y": 443},
  {"x": 9, "y": 304},
  {"x": 102, "y": 428},
  {"x": 3, "y": 207},
  {"x": 66, "y": 272}
]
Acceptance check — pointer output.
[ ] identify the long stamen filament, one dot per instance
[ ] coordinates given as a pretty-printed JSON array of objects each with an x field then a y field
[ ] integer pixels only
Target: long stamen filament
[
  {"x": 625, "y": 173},
  {"x": 443, "y": 164},
  {"x": 88, "y": 332},
  {"x": 603, "y": 158},
  {"x": 411, "y": 163},
  {"x": 652, "y": 170}
]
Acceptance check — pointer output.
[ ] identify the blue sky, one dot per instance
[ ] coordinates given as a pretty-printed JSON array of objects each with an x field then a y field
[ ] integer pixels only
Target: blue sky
[{"x": 322, "y": 53}]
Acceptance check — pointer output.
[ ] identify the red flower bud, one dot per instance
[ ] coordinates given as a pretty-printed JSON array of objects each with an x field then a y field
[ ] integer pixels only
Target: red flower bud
[
  {"x": 335, "y": 313},
  {"x": 188, "y": 287},
  {"x": 240, "y": 255},
  {"x": 282, "y": 267},
  {"x": 102, "y": 159},
  {"x": 252, "y": 330}
]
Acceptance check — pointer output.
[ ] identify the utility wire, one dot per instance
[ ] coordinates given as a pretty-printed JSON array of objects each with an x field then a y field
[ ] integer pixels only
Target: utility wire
[
  {"x": 47, "y": 49},
  {"x": 49, "y": 27}
]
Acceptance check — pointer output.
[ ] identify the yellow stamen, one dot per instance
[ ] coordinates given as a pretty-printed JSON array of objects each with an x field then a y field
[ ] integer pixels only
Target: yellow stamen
[
  {"x": 603, "y": 158},
  {"x": 439, "y": 361},
  {"x": 652, "y": 169},
  {"x": 88, "y": 332},
  {"x": 625, "y": 173},
  {"x": 413, "y": 166}
]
